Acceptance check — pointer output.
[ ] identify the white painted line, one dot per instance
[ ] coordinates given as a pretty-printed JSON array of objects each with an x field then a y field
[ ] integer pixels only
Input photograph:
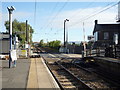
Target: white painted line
[
  {"x": 52, "y": 55},
  {"x": 54, "y": 82}
]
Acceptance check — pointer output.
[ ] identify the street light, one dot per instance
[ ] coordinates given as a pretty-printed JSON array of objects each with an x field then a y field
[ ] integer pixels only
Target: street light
[
  {"x": 10, "y": 10},
  {"x": 64, "y": 34}
]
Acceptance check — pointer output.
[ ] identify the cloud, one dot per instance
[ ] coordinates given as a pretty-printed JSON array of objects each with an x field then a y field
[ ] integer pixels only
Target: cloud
[
  {"x": 20, "y": 16},
  {"x": 78, "y": 16},
  {"x": 17, "y": 15}
]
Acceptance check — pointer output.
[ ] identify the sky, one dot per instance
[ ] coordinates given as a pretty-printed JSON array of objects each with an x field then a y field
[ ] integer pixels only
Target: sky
[{"x": 47, "y": 18}]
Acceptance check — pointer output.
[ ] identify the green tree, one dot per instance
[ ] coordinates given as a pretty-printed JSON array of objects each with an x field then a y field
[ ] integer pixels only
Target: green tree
[
  {"x": 41, "y": 44},
  {"x": 19, "y": 28},
  {"x": 55, "y": 44}
]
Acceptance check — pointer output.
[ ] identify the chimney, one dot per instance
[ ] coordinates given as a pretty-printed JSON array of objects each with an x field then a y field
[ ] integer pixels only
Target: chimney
[{"x": 96, "y": 21}]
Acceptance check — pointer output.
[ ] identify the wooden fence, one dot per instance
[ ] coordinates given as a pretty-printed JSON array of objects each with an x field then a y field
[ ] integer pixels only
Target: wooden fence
[{"x": 113, "y": 52}]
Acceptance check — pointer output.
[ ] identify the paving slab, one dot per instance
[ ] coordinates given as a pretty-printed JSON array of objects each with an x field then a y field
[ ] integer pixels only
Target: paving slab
[
  {"x": 43, "y": 78},
  {"x": 15, "y": 77}
]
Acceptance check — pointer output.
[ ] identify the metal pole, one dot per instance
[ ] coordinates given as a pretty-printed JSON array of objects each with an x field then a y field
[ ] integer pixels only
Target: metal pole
[
  {"x": 10, "y": 37},
  {"x": 26, "y": 31},
  {"x": 29, "y": 41},
  {"x": 64, "y": 34},
  {"x": 10, "y": 9},
  {"x": 66, "y": 39},
  {"x": 84, "y": 40},
  {"x": 27, "y": 37},
  {"x": 15, "y": 42}
]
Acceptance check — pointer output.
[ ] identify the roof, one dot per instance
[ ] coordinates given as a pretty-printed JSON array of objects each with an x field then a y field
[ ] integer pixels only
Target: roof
[
  {"x": 106, "y": 27},
  {"x": 4, "y": 36}
]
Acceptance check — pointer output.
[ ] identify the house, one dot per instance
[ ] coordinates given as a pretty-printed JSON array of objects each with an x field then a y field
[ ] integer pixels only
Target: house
[{"x": 106, "y": 34}]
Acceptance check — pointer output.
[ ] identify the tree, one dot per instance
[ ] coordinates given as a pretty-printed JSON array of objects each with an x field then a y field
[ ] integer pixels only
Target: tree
[
  {"x": 41, "y": 44},
  {"x": 19, "y": 28},
  {"x": 55, "y": 44}
]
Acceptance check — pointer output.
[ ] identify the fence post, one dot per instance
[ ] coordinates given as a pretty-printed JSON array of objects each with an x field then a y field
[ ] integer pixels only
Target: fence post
[{"x": 115, "y": 51}]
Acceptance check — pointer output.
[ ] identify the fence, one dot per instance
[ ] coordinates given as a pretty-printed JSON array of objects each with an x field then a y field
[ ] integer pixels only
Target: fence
[{"x": 113, "y": 52}]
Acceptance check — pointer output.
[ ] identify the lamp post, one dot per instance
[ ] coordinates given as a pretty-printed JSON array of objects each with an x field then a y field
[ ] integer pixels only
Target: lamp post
[
  {"x": 64, "y": 35},
  {"x": 10, "y": 10},
  {"x": 84, "y": 44}
]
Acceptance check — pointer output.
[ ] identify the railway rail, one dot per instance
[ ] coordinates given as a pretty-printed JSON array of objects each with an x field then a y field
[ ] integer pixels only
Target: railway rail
[
  {"x": 108, "y": 76},
  {"x": 69, "y": 75},
  {"x": 66, "y": 79}
]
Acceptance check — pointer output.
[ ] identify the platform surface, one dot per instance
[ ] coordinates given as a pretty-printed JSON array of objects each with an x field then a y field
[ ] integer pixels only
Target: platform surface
[
  {"x": 39, "y": 75},
  {"x": 108, "y": 59},
  {"x": 15, "y": 77},
  {"x": 31, "y": 73}
]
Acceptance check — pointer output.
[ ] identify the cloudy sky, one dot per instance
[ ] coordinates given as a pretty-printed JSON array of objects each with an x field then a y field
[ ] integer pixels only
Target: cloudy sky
[{"x": 47, "y": 18}]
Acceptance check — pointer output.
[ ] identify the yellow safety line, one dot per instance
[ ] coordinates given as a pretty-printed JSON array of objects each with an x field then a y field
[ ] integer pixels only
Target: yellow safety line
[{"x": 32, "y": 77}]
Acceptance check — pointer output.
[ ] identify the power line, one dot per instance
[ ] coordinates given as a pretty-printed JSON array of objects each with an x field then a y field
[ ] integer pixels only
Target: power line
[
  {"x": 90, "y": 16},
  {"x": 51, "y": 12},
  {"x": 35, "y": 14},
  {"x": 81, "y": 10},
  {"x": 57, "y": 14}
]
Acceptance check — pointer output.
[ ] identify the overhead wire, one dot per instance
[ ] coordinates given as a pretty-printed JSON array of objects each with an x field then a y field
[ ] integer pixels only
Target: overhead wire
[
  {"x": 48, "y": 19},
  {"x": 90, "y": 16},
  {"x": 35, "y": 5},
  {"x": 96, "y": 13},
  {"x": 53, "y": 18},
  {"x": 76, "y": 13}
]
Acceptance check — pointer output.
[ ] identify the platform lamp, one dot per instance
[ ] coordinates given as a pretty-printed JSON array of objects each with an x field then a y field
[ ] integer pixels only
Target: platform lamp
[
  {"x": 10, "y": 10},
  {"x": 64, "y": 35}
]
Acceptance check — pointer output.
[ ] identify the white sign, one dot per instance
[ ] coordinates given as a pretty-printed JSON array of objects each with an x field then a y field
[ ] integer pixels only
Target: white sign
[
  {"x": 13, "y": 55},
  {"x": 26, "y": 46}
]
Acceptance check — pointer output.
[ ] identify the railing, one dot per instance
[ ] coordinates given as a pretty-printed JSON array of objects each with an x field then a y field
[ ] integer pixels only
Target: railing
[{"x": 113, "y": 52}]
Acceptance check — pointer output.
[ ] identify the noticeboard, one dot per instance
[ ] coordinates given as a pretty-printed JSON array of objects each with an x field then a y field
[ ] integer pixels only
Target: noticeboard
[{"x": 13, "y": 55}]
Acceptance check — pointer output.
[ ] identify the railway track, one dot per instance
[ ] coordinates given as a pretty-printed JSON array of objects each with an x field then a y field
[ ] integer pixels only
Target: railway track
[
  {"x": 110, "y": 77},
  {"x": 70, "y": 76},
  {"x": 88, "y": 78},
  {"x": 65, "y": 79}
]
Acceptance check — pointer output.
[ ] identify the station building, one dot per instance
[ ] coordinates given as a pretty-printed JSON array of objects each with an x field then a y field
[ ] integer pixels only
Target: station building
[{"x": 106, "y": 34}]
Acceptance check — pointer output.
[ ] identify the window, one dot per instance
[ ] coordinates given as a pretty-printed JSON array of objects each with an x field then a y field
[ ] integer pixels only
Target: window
[
  {"x": 115, "y": 38},
  {"x": 106, "y": 35},
  {"x": 96, "y": 36}
]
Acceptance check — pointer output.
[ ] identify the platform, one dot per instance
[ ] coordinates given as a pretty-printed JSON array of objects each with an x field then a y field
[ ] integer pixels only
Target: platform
[
  {"x": 15, "y": 77},
  {"x": 31, "y": 73},
  {"x": 40, "y": 76},
  {"x": 108, "y": 64}
]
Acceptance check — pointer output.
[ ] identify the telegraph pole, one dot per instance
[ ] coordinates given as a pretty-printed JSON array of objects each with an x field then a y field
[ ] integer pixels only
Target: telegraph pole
[
  {"x": 10, "y": 10},
  {"x": 26, "y": 31},
  {"x": 27, "y": 40},
  {"x": 84, "y": 40},
  {"x": 64, "y": 35}
]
